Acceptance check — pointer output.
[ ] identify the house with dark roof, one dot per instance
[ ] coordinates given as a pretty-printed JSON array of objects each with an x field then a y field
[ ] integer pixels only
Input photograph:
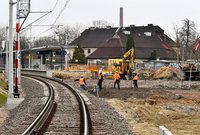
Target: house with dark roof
[{"x": 102, "y": 44}]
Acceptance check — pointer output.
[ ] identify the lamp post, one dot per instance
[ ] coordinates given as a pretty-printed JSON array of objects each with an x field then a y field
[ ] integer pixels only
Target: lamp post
[{"x": 61, "y": 42}]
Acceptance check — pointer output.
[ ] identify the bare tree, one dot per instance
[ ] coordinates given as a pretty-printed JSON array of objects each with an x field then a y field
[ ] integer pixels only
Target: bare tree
[
  {"x": 2, "y": 34},
  {"x": 101, "y": 24},
  {"x": 187, "y": 35},
  {"x": 24, "y": 42},
  {"x": 45, "y": 41},
  {"x": 66, "y": 34}
]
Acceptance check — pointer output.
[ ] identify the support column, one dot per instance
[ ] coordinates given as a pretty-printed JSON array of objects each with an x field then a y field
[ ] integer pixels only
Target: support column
[
  {"x": 66, "y": 60},
  {"x": 17, "y": 55},
  {"x": 6, "y": 46},
  {"x": 10, "y": 48},
  {"x": 29, "y": 60},
  {"x": 41, "y": 66}
]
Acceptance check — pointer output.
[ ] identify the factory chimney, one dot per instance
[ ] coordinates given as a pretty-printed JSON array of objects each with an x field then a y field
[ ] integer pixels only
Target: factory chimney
[{"x": 121, "y": 17}]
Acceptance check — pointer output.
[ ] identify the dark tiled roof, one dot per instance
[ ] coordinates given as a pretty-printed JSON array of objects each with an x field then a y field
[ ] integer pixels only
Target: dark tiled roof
[
  {"x": 144, "y": 43},
  {"x": 145, "y": 53},
  {"x": 111, "y": 49},
  {"x": 94, "y": 38},
  {"x": 105, "y": 53}
]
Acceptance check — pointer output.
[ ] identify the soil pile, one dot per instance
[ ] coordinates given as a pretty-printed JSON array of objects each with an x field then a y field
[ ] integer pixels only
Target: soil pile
[
  {"x": 165, "y": 73},
  {"x": 151, "y": 108},
  {"x": 71, "y": 75}
]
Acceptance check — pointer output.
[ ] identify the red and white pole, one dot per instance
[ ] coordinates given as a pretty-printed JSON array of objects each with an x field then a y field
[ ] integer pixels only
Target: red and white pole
[{"x": 17, "y": 57}]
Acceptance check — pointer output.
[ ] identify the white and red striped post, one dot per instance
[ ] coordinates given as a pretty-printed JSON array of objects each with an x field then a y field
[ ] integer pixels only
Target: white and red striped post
[
  {"x": 17, "y": 58},
  {"x": 17, "y": 47}
]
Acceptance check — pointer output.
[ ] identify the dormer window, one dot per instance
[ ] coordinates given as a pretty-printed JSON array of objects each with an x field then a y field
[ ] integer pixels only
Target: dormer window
[
  {"x": 147, "y": 34},
  {"x": 89, "y": 51}
]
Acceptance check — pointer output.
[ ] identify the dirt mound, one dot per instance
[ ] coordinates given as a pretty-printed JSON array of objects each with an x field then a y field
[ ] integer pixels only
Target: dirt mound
[
  {"x": 164, "y": 73},
  {"x": 71, "y": 75},
  {"x": 180, "y": 116}
]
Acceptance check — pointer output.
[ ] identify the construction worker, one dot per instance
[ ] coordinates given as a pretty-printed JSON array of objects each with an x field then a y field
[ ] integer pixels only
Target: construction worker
[
  {"x": 135, "y": 79},
  {"x": 116, "y": 78},
  {"x": 82, "y": 82},
  {"x": 100, "y": 80}
]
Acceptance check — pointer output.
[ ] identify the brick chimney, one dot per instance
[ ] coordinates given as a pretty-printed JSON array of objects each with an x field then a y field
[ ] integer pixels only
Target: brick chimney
[{"x": 121, "y": 17}]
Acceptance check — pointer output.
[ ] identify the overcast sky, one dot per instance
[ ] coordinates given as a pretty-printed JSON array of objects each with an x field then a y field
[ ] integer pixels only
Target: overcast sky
[{"x": 165, "y": 13}]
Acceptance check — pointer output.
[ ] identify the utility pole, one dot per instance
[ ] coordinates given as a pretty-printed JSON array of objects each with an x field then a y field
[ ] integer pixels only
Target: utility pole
[
  {"x": 10, "y": 48},
  {"x": 17, "y": 55},
  {"x": 22, "y": 11},
  {"x": 6, "y": 67}
]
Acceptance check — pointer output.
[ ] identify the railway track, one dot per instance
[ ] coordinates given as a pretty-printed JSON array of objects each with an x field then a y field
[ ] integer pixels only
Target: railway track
[
  {"x": 67, "y": 118},
  {"x": 70, "y": 116}
]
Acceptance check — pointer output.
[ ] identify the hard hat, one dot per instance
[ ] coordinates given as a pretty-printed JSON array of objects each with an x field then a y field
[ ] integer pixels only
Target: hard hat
[{"x": 81, "y": 75}]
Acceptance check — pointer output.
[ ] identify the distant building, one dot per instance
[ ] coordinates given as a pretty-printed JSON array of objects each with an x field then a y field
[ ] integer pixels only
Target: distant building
[{"x": 102, "y": 44}]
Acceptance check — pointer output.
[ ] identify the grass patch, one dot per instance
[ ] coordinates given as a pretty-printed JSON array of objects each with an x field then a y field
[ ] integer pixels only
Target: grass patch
[
  {"x": 3, "y": 84},
  {"x": 3, "y": 96},
  {"x": 3, "y": 99}
]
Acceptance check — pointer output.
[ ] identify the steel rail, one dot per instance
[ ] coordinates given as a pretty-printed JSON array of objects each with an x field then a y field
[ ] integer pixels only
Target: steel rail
[
  {"x": 84, "y": 113},
  {"x": 38, "y": 123},
  {"x": 85, "y": 128}
]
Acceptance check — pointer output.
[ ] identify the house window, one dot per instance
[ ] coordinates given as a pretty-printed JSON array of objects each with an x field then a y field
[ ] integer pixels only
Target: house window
[
  {"x": 89, "y": 50},
  {"x": 147, "y": 34}
]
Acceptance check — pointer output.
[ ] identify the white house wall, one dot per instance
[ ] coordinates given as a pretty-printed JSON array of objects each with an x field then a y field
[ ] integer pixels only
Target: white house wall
[
  {"x": 91, "y": 51},
  {"x": 71, "y": 51}
]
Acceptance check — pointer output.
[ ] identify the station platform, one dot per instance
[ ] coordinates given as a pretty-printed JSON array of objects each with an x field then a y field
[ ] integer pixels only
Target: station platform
[{"x": 13, "y": 102}]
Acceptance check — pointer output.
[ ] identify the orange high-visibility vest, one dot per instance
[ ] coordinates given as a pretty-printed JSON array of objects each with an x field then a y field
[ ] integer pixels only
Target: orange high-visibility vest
[
  {"x": 135, "y": 77},
  {"x": 81, "y": 81},
  {"x": 116, "y": 76}
]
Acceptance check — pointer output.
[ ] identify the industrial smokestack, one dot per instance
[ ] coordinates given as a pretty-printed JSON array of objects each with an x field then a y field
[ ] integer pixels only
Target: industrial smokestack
[{"x": 121, "y": 17}]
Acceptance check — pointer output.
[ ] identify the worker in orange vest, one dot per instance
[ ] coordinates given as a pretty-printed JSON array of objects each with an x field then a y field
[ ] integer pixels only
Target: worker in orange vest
[
  {"x": 135, "y": 79},
  {"x": 100, "y": 80},
  {"x": 116, "y": 78},
  {"x": 82, "y": 82}
]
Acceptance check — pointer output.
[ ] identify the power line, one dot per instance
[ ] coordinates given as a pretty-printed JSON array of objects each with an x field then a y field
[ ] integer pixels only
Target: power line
[
  {"x": 66, "y": 3},
  {"x": 37, "y": 20},
  {"x": 51, "y": 11},
  {"x": 55, "y": 5}
]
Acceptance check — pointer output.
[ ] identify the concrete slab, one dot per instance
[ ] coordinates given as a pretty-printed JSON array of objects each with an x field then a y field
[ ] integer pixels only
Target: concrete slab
[{"x": 13, "y": 102}]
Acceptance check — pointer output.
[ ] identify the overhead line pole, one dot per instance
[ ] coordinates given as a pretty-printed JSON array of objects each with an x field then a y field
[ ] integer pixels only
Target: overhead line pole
[
  {"x": 22, "y": 11},
  {"x": 17, "y": 55},
  {"x": 6, "y": 66},
  {"x": 10, "y": 49}
]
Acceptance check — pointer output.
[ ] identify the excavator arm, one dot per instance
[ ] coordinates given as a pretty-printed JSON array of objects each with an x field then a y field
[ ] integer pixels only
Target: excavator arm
[{"x": 128, "y": 60}]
